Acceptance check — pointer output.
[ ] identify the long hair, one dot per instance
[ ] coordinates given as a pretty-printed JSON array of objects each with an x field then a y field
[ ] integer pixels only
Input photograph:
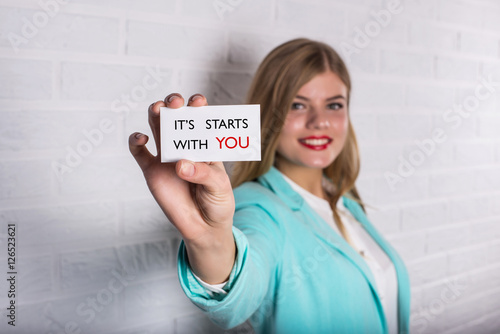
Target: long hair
[{"x": 278, "y": 79}]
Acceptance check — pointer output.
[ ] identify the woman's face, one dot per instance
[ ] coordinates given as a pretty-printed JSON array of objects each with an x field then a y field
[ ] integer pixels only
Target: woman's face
[{"x": 316, "y": 126}]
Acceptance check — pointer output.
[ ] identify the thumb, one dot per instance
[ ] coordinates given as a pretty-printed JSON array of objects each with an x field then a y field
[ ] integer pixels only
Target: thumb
[{"x": 211, "y": 175}]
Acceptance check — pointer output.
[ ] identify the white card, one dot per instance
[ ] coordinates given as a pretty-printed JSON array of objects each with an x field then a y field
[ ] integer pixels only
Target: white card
[{"x": 210, "y": 133}]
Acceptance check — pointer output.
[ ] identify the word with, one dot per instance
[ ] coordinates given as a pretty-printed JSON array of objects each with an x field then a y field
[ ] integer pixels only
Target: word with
[
  {"x": 454, "y": 117},
  {"x": 372, "y": 29},
  {"x": 84, "y": 148},
  {"x": 140, "y": 92},
  {"x": 223, "y": 6},
  {"x": 191, "y": 144},
  {"x": 39, "y": 21},
  {"x": 95, "y": 304}
]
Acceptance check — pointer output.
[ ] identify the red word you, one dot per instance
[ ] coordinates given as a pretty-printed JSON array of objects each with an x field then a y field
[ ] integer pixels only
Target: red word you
[{"x": 231, "y": 142}]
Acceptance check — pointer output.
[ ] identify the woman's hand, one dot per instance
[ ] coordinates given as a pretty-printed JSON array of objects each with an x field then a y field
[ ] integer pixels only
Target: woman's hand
[{"x": 197, "y": 198}]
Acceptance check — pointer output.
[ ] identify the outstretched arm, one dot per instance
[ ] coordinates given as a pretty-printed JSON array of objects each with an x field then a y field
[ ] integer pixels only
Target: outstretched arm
[{"x": 197, "y": 198}]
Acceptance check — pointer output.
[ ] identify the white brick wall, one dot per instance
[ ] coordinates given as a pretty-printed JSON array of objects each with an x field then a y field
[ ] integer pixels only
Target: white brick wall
[{"x": 85, "y": 216}]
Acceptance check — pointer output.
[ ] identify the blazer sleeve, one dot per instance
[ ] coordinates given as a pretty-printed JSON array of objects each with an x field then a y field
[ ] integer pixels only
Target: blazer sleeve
[{"x": 259, "y": 243}]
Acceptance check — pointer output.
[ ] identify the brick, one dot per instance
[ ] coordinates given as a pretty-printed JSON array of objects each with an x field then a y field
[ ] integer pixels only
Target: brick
[
  {"x": 253, "y": 13},
  {"x": 374, "y": 94},
  {"x": 427, "y": 270},
  {"x": 485, "y": 231},
  {"x": 364, "y": 61},
  {"x": 24, "y": 179},
  {"x": 397, "y": 126},
  {"x": 412, "y": 187},
  {"x": 467, "y": 310},
  {"x": 53, "y": 315},
  {"x": 495, "y": 204},
  {"x": 466, "y": 260},
  {"x": 460, "y": 13},
  {"x": 488, "y": 126},
  {"x": 430, "y": 96},
  {"x": 424, "y": 216},
  {"x": 205, "y": 44},
  {"x": 432, "y": 36},
  {"x": 488, "y": 323},
  {"x": 158, "y": 299},
  {"x": 491, "y": 69},
  {"x": 420, "y": 9},
  {"x": 298, "y": 16},
  {"x": 110, "y": 175},
  {"x": 483, "y": 280},
  {"x": 367, "y": 21},
  {"x": 449, "y": 68},
  {"x": 162, "y": 6},
  {"x": 28, "y": 79},
  {"x": 443, "y": 156},
  {"x": 149, "y": 258},
  {"x": 219, "y": 88},
  {"x": 89, "y": 268},
  {"x": 35, "y": 273},
  {"x": 63, "y": 32},
  {"x": 479, "y": 44},
  {"x": 469, "y": 209},
  {"x": 474, "y": 153},
  {"x": 36, "y": 130},
  {"x": 144, "y": 217},
  {"x": 200, "y": 324},
  {"x": 230, "y": 88},
  {"x": 457, "y": 128},
  {"x": 63, "y": 223},
  {"x": 127, "y": 85},
  {"x": 487, "y": 179},
  {"x": 485, "y": 105},
  {"x": 251, "y": 48},
  {"x": 379, "y": 157},
  {"x": 409, "y": 246},
  {"x": 447, "y": 238},
  {"x": 490, "y": 19},
  {"x": 364, "y": 126},
  {"x": 494, "y": 253},
  {"x": 406, "y": 64},
  {"x": 95, "y": 267},
  {"x": 156, "y": 328},
  {"x": 445, "y": 183}
]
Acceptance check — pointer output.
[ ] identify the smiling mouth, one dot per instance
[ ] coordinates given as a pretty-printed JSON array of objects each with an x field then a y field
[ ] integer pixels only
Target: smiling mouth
[{"x": 316, "y": 143}]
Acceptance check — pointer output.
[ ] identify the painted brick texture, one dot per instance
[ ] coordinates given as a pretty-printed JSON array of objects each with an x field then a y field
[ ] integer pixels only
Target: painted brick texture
[{"x": 96, "y": 254}]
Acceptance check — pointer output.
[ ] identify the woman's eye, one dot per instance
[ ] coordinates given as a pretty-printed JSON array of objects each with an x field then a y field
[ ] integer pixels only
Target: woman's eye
[
  {"x": 297, "y": 106},
  {"x": 335, "y": 106}
]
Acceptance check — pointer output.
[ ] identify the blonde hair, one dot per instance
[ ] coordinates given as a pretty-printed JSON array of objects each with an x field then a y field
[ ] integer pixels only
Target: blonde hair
[{"x": 278, "y": 79}]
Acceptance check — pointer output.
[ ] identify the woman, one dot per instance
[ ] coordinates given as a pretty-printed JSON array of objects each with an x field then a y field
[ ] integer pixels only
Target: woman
[{"x": 296, "y": 253}]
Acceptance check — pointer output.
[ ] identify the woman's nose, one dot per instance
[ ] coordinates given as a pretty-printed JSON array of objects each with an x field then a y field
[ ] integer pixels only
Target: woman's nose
[{"x": 317, "y": 119}]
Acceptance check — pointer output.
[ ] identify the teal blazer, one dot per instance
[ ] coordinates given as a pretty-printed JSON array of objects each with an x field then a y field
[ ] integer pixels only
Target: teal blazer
[{"x": 293, "y": 273}]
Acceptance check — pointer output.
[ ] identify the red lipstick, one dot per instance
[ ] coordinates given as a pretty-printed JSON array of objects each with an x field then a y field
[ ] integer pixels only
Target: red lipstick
[{"x": 317, "y": 143}]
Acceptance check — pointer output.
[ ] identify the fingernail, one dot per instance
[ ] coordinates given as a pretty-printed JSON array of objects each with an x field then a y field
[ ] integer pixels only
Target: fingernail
[
  {"x": 196, "y": 97},
  {"x": 138, "y": 135},
  {"x": 172, "y": 96},
  {"x": 187, "y": 169}
]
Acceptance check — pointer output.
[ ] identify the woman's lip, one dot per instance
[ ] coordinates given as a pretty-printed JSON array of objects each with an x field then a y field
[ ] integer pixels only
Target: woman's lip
[{"x": 317, "y": 143}]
